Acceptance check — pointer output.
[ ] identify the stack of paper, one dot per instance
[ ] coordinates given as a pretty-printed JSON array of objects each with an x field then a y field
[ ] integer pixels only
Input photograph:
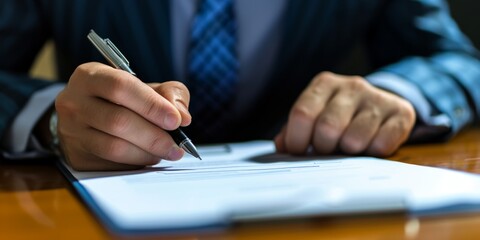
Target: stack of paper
[{"x": 243, "y": 181}]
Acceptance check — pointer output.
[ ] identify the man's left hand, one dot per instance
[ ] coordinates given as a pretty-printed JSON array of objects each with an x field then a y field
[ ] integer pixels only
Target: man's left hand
[{"x": 347, "y": 114}]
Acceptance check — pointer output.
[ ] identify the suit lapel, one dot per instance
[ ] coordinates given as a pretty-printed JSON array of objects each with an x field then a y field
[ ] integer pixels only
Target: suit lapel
[
  {"x": 295, "y": 26},
  {"x": 290, "y": 41},
  {"x": 143, "y": 29},
  {"x": 298, "y": 37},
  {"x": 302, "y": 42},
  {"x": 308, "y": 28}
]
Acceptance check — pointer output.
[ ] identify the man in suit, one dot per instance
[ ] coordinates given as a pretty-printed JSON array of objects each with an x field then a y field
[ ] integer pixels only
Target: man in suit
[{"x": 276, "y": 83}]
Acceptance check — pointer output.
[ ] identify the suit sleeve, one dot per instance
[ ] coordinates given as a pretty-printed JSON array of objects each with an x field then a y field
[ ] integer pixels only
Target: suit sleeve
[
  {"x": 418, "y": 41},
  {"x": 23, "y": 32}
]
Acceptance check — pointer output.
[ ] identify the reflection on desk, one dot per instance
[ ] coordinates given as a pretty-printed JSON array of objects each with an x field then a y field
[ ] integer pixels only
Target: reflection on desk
[{"x": 37, "y": 202}]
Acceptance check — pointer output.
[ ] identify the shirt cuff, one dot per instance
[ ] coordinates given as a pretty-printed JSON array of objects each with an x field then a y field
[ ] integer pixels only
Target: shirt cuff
[
  {"x": 19, "y": 139},
  {"x": 407, "y": 90}
]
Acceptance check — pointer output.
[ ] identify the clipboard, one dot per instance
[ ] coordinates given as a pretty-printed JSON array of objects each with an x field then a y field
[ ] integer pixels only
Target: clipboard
[{"x": 249, "y": 182}]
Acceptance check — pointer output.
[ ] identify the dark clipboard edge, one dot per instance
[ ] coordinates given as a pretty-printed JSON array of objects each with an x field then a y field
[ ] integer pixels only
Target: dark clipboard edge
[{"x": 117, "y": 230}]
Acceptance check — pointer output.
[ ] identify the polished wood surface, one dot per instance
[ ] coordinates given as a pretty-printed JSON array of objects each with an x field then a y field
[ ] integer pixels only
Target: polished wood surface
[{"x": 37, "y": 202}]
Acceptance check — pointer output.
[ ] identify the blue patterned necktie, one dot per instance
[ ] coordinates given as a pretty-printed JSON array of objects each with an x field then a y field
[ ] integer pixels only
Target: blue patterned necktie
[{"x": 213, "y": 64}]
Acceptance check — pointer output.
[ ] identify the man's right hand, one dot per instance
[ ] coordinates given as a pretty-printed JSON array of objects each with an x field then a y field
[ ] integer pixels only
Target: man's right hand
[{"x": 110, "y": 120}]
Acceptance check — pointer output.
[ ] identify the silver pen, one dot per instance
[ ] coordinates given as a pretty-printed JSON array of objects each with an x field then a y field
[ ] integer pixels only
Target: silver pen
[{"x": 118, "y": 60}]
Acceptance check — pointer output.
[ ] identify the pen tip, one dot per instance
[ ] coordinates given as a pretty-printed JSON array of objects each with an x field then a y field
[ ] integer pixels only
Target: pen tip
[
  {"x": 196, "y": 155},
  {"x": 191, "y": 149}
]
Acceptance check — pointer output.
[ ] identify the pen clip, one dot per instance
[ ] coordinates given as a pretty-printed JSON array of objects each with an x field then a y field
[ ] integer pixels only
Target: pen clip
[
  {"x": 116, "y": 51},
  {"x": 110, "y": 52}
]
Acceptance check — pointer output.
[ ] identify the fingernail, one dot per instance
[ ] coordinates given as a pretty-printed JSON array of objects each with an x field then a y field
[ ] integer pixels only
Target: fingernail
[
  {"x": 170, "y": 121},
  {"x": 175, "y": 153}
]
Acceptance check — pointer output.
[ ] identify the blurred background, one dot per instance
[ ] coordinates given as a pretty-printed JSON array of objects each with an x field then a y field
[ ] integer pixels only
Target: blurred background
[{"x": 465, "y": 12}]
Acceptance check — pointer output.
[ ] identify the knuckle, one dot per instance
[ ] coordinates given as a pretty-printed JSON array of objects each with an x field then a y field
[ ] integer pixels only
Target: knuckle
[
  {"x": 357, "y": 78},
  {"x": 119, "y": 122},
  {"x": 328, "y": 127},
  {"x": 83, "y": 68},
  {"x": 117, "y": 87},
  {"x": 373, "y": 112},
  {"x": 342, "y": 103},
  {"x": 316, "y": 89},
  {"x": 322, "y": 80},
  {"x": 63, "y": 105},
  {"x": 324, "y": 75},
  {"x": 179, "y": 86},
  {"x": 301, "y": 114},
  {"x": 159, "y": 146},
  {"x": 408, "y": 112},
  {"x": 358, "y": 84},
  {"x": 325, "y": 137},
  {"x": 183, "y": 93},
  {"x": 153, "y": 108},
  {"x": 173, "y": 90},
  {"x": 402, "y": 124}
]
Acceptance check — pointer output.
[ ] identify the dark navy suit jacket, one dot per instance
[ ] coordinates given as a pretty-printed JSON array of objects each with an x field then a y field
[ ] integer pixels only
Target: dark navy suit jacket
[{"x": 415, "y": 39}]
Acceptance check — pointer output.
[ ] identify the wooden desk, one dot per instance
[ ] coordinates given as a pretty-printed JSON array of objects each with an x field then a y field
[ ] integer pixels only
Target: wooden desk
[{"x": 36, "y": 202}]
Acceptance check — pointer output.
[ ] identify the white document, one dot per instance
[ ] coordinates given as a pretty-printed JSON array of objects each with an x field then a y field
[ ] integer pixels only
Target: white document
[{"x": 243, "y": 181}]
